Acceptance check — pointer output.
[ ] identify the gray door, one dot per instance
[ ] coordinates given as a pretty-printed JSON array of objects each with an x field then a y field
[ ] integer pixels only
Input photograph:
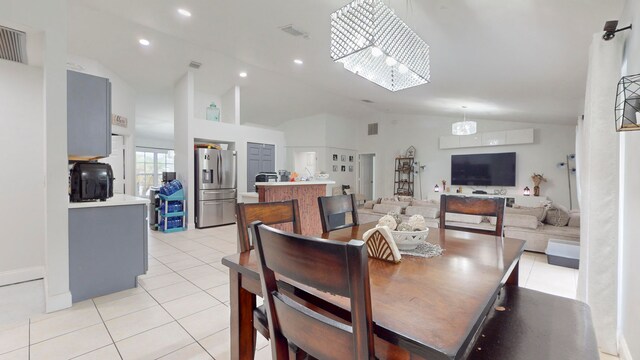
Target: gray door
[
  {"x": 366, "y": 175},
  {"x": 260, "y": 158}
]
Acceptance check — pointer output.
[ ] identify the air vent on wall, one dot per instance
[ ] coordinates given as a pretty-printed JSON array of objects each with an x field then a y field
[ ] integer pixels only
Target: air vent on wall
[
  {"x": 289, "y": 29},
  {"x": 373, "y": 129},
  {"x": 195, "y": 65},
  {"x": 367, "y": 101},
  {"x": 13, "y": 45}
]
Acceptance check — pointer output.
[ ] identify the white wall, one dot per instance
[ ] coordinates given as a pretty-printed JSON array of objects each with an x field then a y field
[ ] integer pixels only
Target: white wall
[
  {"x": 50, "y": 17},
  {"x": 154, "y": 143},
  {"x": 325, "y": 134},
  {"x": 22, "y": 255},
  {"x": 629, "y": 315},
  {"x": 189, "y": 127},
  {"x": 396, "y": 133},
  {"x": 123, "y": 103}
]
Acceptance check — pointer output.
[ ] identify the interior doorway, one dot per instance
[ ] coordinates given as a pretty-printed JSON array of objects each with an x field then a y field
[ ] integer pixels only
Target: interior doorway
[{"x": 366, "y": 175}]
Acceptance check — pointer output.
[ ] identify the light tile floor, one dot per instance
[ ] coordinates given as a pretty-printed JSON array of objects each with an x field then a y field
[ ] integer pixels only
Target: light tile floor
[{"x": 181, "y": 308}]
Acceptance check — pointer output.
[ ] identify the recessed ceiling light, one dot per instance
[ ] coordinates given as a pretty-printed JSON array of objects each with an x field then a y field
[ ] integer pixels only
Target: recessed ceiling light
[
  {"x": 243, "y": 74},
  {"x": 184, "y": 12},
  {"x": 144, "y": 42},
  {"x": 298, "y": 61}
]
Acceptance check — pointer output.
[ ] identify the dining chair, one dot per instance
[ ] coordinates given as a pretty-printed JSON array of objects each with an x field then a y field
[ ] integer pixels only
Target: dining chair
[
  {"x": 270, "y": 213},
  {"x": 470, "y": 205},
  {"x": 333, "y": 211},
  {"x": 279, "y": 212},
  {"x": 296, "y": 326}
]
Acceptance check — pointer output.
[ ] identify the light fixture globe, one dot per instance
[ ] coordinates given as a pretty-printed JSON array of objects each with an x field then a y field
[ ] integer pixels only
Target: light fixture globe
[
  {"x": 363, "y": 30},
  {"x": 464, "y": 127}
]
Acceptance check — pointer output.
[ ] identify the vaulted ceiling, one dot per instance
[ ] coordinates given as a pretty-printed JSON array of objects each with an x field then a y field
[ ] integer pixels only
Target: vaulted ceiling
[{"x": 521, "y": 60}]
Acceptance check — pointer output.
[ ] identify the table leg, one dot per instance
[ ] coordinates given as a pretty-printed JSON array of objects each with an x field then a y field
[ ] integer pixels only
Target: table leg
[
  {"x": 514, "y": 277},
  {"x": 243, "y": 334}
]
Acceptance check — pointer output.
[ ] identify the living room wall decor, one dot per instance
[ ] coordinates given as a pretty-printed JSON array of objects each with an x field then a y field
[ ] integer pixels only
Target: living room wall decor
[{"x": 628, "y": 103}]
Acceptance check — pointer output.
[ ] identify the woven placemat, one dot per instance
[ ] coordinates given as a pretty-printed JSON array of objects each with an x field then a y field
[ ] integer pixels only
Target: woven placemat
[{"x": 425, "y": 250}]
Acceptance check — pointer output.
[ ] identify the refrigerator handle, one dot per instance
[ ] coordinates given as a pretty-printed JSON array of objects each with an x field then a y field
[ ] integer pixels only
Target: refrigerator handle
[
  {"x": 219, "y": 168},
  {"x": 210, "y": 175}
]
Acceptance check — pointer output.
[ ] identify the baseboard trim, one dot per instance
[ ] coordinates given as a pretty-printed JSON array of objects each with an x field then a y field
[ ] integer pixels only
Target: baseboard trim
[
  {"x": 58, "y": 302},
  {"x": 21, "y": 275},
  {"x": 623, "y": 349}
]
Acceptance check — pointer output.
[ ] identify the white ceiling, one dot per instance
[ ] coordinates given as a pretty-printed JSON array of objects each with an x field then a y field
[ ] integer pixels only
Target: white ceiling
[{"x": 516, "y": 60}]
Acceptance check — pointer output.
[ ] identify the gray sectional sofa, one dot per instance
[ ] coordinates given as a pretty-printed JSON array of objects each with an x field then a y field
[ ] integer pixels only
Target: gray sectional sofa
[{"x": 535, "y": 225}]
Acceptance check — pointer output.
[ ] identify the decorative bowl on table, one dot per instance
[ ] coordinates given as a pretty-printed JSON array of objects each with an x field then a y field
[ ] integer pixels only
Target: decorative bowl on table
[
  {"x": 409, "y": 240},
  {"x": 322, "y": 176}
]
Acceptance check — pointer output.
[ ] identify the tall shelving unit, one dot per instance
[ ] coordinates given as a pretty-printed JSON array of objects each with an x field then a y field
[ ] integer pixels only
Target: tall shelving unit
[{"x": 404, "y": 176}]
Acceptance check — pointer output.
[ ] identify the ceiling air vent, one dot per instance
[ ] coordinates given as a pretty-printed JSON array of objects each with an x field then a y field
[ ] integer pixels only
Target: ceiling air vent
[
  {"x": 195, "y": 65},
  {"x": 367, "y": 101},
  {"x": 289, "y": 29},
  {"x": 373, "y": 129},
  {"x": 13, "y": 45}
]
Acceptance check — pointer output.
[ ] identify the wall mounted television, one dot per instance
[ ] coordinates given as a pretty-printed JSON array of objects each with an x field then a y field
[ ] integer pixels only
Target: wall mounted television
[{"x": 484, "y": 169}]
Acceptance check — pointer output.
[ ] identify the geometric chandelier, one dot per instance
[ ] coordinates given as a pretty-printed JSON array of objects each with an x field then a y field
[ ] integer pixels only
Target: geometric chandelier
[
  {"x": 628, "y": 103},
  {"x": 372, "y": 42}
]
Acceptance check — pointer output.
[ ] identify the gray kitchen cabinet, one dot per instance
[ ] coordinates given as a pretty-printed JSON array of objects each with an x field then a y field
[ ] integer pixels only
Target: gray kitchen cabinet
[
  {"x": 108, "y": 249},
  {"x": 88, "y": 116}
]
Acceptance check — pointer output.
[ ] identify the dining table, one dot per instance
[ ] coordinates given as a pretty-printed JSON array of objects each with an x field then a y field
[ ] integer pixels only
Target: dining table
[{"x": 431, "y": 307}]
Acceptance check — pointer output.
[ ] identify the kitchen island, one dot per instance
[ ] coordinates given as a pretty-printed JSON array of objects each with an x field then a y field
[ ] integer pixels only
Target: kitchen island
[
  {"x": 307, "y": 193},
  {"x": 107, "y": 245}
]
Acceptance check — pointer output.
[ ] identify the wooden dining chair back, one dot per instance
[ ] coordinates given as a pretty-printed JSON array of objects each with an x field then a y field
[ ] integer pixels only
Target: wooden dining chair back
[
  {"x": 304, "y": 260},
  {"x": 333, "y": 211},
  {"x": 469, "y": 205},
  {"x": 270, "y": 213}
]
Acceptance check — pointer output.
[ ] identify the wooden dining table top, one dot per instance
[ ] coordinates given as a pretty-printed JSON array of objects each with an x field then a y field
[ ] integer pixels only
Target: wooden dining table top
[{"x": 430, "y": 306}]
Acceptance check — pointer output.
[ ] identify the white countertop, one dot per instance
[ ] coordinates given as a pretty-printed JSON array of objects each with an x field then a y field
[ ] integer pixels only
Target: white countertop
[
  {"x": 116, "y": 200},
  {"x": 296, "y": 183}
]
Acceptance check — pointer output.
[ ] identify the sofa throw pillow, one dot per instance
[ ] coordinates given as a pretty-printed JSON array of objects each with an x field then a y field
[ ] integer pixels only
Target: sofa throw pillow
[
  {"x": 369, "y": 204},
  {"x": 464, "y": 218},
  {"x": 517, "y": 220},
  {"x": 556, "y": 216},
  {"x": 539, "y": 212},
  {"x": 385, "y": 208},
  {"x": 428, "y": 212},
  {"x": 405, "y": 198},
  {"x": 574, "y": 220}
]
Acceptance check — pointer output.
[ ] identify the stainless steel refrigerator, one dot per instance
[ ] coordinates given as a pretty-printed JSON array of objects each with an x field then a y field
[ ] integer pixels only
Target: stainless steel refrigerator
[{"x": 215, "y": 187}]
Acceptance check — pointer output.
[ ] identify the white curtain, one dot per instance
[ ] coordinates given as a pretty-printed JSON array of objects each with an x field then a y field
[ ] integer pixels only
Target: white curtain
[{"x": 598, "y": 170}]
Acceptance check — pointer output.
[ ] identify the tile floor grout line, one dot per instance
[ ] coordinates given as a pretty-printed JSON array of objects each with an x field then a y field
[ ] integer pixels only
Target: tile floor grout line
[
  {"x": 183, "y": 328},
  {"x": 104, "y": 323}
]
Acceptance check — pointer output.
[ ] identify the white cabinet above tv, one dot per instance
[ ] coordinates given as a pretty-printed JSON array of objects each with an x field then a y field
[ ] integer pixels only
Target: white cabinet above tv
[{"x": 493, "y": 138}]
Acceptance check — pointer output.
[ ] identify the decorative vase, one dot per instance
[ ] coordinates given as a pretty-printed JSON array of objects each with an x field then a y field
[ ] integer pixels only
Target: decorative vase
[
  {"x": 213, "y": 113},
  {"x": 536, "y": 190}
]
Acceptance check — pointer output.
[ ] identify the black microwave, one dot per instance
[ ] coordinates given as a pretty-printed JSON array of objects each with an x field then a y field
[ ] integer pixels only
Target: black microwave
[{"x": 90, "y": 181}]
